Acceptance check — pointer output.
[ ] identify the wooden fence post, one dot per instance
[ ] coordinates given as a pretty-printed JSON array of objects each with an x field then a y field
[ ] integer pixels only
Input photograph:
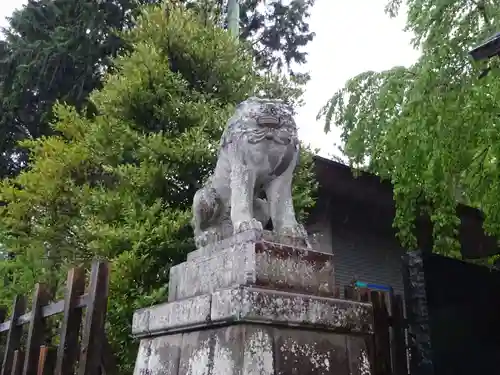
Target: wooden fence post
[
  {"x": 3, "y": 316},
  {"x": 39, "y": 358},
  {"x": 17, "y": 364},
  {"x": 381, "y": 337},
  {"x": 36, "y": 330},
  {"x": 348, "y": 292},
  {"x": 398, "y": 342},
  {"x": 364, "y": 295},
  {"x": 14, "y": 335},
  {"x": 46, "y": 361},
  {"x": 93, "y": 332},
  {"x": 109, "y": 364},
  {"x": 67, "y": 352}
]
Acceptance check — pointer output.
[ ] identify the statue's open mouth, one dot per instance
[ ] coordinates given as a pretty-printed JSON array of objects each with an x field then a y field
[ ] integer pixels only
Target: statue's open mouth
[
  {"x": 276, "y": 136},
  {"x": 269, "y": 121}
]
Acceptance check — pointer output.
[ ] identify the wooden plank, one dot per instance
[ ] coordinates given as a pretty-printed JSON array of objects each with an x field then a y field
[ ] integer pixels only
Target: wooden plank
[
  {"x": 398, "y": 343},
  {"x": 14, "y": 335},
  {"x": 46, "y": 360},
  {"x": 108, "y": 360},
  {"x": 349, "y": 292},
  {"x": 42, "y": 359},
  {"x": 36, "y": 329},
  {"x": 93, "y": 332},
  {"x": 417, "y": 310},
  {"x": 3, "y": 316},
  {"x": 336, "y": 293},
  {"x": 67, "y": 352},
  {"x": 381, "y": 336},
  {"x": 364, "y": 295},
  {"x": 47, "y": 311},
  {"x": 17, "y": 365}
]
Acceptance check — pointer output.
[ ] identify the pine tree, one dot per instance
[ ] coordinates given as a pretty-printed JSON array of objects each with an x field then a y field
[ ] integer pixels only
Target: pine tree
[
  {"x": 120, "y": 184},
  {"x": 53, "y": 50},
  {"x": 60, "y": 50}
]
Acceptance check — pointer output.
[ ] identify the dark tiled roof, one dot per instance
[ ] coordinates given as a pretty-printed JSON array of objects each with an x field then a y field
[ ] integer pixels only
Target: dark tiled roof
[{"x": 376, "y": 195}]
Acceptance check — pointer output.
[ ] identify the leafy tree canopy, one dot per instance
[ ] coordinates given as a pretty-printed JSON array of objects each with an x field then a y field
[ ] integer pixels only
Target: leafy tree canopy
[
  {"x": 431, "y": 128},
  {"x": 61, "y": 49},
  {"x": 120, "y": 184}
]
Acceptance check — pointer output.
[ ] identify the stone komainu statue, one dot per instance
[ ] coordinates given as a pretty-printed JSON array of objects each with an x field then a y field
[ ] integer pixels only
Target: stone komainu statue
[{"x": 258, "y": 154}]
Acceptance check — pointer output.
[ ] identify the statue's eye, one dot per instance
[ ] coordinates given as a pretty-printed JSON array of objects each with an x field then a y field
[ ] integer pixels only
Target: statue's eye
[{"x": 270, "y": 109}]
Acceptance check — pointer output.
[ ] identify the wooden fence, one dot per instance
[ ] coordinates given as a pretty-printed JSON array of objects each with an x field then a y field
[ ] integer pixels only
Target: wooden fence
[
  {"x": 389, "y": 349},
  {"x": 75, "y": 349}
]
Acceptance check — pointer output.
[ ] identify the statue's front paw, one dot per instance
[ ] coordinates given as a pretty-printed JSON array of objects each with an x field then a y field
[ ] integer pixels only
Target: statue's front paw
[
  {"x": 207, "y": 238},
  {"x": 201, "y": 240},
  {"x": 296, "y": 231},
  {"x": 246, "y": 225}
]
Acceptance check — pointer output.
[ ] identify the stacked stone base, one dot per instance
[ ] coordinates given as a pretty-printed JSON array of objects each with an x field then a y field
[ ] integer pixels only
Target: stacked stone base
[
  {"x": 253, "y": 349},
  {"x": 254, "y": 307}
]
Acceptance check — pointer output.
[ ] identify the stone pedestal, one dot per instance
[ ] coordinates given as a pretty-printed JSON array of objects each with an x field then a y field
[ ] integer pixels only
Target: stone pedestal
[{"x": 254, "y": 306}]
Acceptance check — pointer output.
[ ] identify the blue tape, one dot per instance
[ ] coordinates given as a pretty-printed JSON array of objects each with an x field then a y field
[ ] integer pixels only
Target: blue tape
[{"x": 384, "y": 288}]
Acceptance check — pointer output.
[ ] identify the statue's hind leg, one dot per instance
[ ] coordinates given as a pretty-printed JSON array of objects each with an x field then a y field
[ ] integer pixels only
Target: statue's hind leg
[
  {"x": 261, "y": 211},
  {"x": 207, "y": 209},
  {"x": 279, "y": 194}
]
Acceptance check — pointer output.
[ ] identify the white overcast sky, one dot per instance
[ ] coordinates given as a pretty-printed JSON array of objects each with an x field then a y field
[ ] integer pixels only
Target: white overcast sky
[{"x": 352, "y": 36}]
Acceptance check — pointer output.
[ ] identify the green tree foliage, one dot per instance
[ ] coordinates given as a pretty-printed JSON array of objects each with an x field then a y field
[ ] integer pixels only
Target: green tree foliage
[
  {"x": 120, "y": 184},
  {"x": 431, "y": 128},
  {"x": 61, "y": 49},
  {"x": 53, "y": 50},
  {"x": 278, "y": 31}
]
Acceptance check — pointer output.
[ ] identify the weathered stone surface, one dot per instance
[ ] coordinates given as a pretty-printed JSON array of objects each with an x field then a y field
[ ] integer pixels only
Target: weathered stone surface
[
  {"x": 143, "y": 354},
  {"x": 228, "y": 356},
  {"x": 159, "y": 356},
  {"x": 140, "y": 321},
  {"x": 243, "y": 237},
  {"x": 258, "y": 350},
  {"x": 196, "y": 353},
  {"x": 246, "y": 304},
  {"x": 170, "y": 316},
  {"x": 317, "y": 352},
  {"x": 260, "y": 305},
  {"x": 250, "y": 349},
  {"x": 262, "y": 264},
  {"x": 359, "y": 356}
]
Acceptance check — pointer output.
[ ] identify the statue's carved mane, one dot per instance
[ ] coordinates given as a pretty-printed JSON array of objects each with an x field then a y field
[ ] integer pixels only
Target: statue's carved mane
[{"x": 246, "y": 112}]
